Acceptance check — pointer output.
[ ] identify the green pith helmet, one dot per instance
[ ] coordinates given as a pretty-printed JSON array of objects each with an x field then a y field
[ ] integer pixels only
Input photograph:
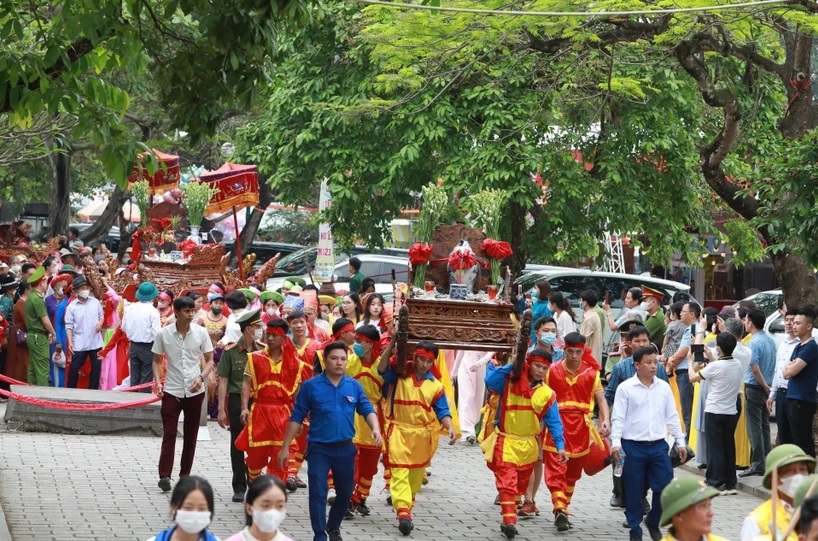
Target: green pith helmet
[
  {"x": 683, "y": 493},
  {"x": 804, "y": 487},
  {"x": 784, "y": 455}
]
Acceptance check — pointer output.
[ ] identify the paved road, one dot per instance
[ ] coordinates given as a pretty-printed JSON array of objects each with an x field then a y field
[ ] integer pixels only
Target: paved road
[{"x": 62, "y": 487}]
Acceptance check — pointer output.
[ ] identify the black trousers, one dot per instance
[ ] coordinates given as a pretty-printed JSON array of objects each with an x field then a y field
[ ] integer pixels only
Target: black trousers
[
  {"x": 719, "y": 432},
  {"x": 77, "y": 361},
  {"x": 800, "y": 414},
  {"x": 782, "y": 420},
  {"x": 236, "y": 457}
]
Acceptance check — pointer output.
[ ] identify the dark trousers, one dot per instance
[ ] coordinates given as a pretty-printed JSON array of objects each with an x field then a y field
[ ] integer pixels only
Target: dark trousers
[
  {"x": 757, "y": 418},
  {"x": 3, "y": 355},
  {"x": 645, "y": 462},
  {"x": 141, "y": 361},
  {"x": 800, "y": 416},
  {"x": 321, "y": 459},
  {"x": 719, "y": 431},
  {"x": 685, "y": 397},
  {"x": 236, "y": 456},
  {"x": 77, "y": 360},
  {"x": 782, "y": 420},
  {"x": 171, "y": 408}
]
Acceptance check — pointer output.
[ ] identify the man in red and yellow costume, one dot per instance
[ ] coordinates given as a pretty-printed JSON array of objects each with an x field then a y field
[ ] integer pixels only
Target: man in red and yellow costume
[
  {"x": 575, "y": 381},
  {"x": 362, "y": 365},
  {"x": 513, "y": 448},
  {"x": 305, "y": 348},
  {"x": 272, "y": 378},
  {"x": 415, "y": 404}
]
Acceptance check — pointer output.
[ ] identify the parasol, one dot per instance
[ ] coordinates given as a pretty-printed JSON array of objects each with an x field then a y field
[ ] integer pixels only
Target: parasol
[
  {"x": 94, "y": 210},
  {"x": 166, "y": 176}
]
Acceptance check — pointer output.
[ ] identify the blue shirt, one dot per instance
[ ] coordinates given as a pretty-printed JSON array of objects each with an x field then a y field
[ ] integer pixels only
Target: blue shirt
[
  {"x": 440, "y": 405},
  {"x": 331, "y": 409},
  {"x": 687, "y": 339},
  {"x": 538, "y": 310},
  {"x": 763, "y": 349},
  {"x": 623, "y": 370},
  {"x": 802, "y": 386},
  {"x": 556, "y": 353}
]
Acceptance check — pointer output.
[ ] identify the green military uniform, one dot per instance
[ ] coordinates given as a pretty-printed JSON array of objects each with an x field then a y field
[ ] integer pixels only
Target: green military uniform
[
  {"x": 655, "y": 325},
  {"x": 355, "y": 281},
  {"x": 37, "y": 338}
]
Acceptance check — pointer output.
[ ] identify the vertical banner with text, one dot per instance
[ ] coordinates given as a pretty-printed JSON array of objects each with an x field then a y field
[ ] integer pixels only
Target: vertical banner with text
[{"x": 325, "y": 260}]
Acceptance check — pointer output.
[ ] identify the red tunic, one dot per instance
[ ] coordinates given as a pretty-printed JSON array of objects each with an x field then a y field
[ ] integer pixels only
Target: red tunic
[{"x": 575, "y": 397}]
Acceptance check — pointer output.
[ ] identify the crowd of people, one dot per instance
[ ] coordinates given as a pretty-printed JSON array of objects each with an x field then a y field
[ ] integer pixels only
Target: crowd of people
[{"x": 291, "y": 370}]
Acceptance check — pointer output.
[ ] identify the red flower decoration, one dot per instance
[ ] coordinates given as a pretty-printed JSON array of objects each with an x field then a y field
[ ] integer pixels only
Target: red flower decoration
[
  {"x": 419, "y": 254},
  {"x": 496, "y": 249},
  {"x": 187, "y": 247},
  {"x": 163, "y": 223},
  {"x": 461, "y": 260}
]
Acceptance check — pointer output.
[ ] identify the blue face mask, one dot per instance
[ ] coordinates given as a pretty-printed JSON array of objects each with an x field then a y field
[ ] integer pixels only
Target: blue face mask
[
  {"x": 358, "y": 349},
  {"x": 548, "y": 338}
]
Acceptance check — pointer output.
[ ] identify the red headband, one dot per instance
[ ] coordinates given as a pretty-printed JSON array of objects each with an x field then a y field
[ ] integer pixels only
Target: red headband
[
  {"x": 214, "y": 286},
  {"x": 537, "y": 359},
  {"x": 425, "y": 353},
  {"x": 276, "y": 330},
  {"x": 346, "y": 328},
  {"x": 165, "y": 296},
  {"x": 364, "y": 338}
]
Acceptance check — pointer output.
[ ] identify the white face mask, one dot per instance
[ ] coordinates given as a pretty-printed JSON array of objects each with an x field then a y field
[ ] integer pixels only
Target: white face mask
[
  {"x": 53, "y": 269},
  {"x": 58, "y": 290},
  {"x": 162, "y": 305},
  {"x": 192, "y": 521},
  {"x": 271, "y": 312},
  {"x": 83, "y": 293},
  {"x": 790, "y": 484},
  {"x": 644, "y": 306},
  {"x": 16, "y": 269},
  {"x": 268, "y": 521},
  {"x": 258, "y": 334}
]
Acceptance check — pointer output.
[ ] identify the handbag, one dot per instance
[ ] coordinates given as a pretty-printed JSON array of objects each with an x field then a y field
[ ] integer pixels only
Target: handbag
[
  {"x": 21, "y": 336},
  {"x": 675, "y": 459}
]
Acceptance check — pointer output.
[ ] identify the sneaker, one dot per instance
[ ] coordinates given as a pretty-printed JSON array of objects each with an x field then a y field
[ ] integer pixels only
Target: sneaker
[
  {"x": 528, "y": 509},
  {"x": 728, "y": 491},
  {"x": 471, "y": 440},
  {"x": 331, "y": 496},
  {"x": 350, "y": 512},
  {"x": 389, "y": 501},
  {"x": 292, "y": 484},
  {"x": 238, "y": 497},
  {"x": 299, "y": 482},
  {"x": 362, "y": 509},
  {"x": 509, "y": 530},
  {"x": 617, "y": 501},
  {"x": 164, "y": 484},
  {"x": 405, "y": 526},
  {"x": 655, "y": 533},
  {"x": 561, "y": 521},
  {"x": 335, "y": 535}
]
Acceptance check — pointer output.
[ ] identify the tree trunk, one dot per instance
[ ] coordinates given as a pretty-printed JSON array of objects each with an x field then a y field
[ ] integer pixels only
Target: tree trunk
[
  {"x": 265, "y": 197},
  {"x": 519, "y": 229},
  {"x": 99, "y": 231},
  {"x": 60, "y": 211},
  {"x": 796, "y": 278}
]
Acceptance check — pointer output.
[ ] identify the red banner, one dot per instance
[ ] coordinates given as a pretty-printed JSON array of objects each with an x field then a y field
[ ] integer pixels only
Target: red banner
[
  {"x": 237, "y": 185},
  {"x": 164, "y": 178}
]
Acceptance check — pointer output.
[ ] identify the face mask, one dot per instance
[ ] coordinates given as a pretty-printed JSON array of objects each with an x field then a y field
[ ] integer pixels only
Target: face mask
[
  {"x": 16, "y": 269},
  {"x": 58, "y": 290},
  {"x": 84, "y": 293},
  {"x": 53, "y": 269},
  {"x": 192, "y": 521},
  {"x": 644, "y": 306},
  {"x": 271, "y": 312},
  {"x": 162, "y": 305},
  {"x": 789, "y": 484},
  {"x": 548, "y": 338},
  {"x": 258, "y": 334},
  {"x": 358, "y": 349},
  {"x": 215, "y": 310},
  {"x": 268, "y": 521}
]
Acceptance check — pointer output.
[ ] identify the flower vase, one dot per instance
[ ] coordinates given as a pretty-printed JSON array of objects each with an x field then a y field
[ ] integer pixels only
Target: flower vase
[{"x": 194, "y": 234}]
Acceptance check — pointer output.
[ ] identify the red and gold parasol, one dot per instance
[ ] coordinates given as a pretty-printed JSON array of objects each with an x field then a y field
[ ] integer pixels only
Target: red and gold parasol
[
  {"x": 166, "y": 177},
  {"x": 237, "y": 187}
]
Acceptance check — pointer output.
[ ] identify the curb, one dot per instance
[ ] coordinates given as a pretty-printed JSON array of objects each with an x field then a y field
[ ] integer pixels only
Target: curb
[
  {"x": 756, "y": 490},
  {"x": 5, "y": 535}
]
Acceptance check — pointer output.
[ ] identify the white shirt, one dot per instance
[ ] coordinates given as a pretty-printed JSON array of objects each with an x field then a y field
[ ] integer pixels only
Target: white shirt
[
  {"x": 141, "y": 322},
  {"x": 724, "y": 378},
  {"x": 82, "y": 318},
  {"x": 232, "y": 331},
  {"x": 565, "y": 324},
  {"x": 643, "y": 413},
  {"x": 743, "y": 354},
  {"x": 323, "y": 325},
  {"x": 184, "y": 357},
  {"x": 749, "y": 528},
  {"x": 782, "y": 359}
]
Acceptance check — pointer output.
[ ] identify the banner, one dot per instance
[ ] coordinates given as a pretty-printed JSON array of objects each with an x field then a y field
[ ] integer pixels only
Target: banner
[{"x": 325, "y": 259}]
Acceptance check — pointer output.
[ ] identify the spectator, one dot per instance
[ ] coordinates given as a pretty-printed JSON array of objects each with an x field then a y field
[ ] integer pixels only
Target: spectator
[
  {"x": 721, "y": 413},
  {"x": 678, "y": 362},
  {"x": 141, "y": 325},
  {"x": 633, "y": 298},
  {"x": 591, "y": 328},
  {"x": 807, "y": 527},
  {"x": 757, "y": 380},
  {"x": 265, "y": 510},
  {"x": 778, "y": 389},
  {"x": 562, "y": 314},
  {"x": 356, "y": 277},
  {"x": 191, "y": 505},
  {"x": 74, "y": 238},
  {"x": 675, "y": 330},
  {"x": 367, "y": 286},
  {"x": 84, "y": 319},
  {"x": 686, "y": 507},
  {"x": 539, "y": 308},
  {"x": 802, "y": 373}
]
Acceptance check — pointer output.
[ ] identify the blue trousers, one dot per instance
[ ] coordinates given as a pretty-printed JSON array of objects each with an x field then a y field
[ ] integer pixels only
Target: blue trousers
[
  {"x": 645, "y": 464},
  {"x": 321, "y": 459}
]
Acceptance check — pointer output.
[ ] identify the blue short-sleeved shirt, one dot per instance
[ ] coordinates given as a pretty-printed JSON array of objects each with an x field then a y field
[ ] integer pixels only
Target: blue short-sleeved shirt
[
  {"x": 331, "y": 409},
  {"x": 802, "y": 386},
  {"x": 763, "y": 350},
  {"x": 687, "y": 339}
]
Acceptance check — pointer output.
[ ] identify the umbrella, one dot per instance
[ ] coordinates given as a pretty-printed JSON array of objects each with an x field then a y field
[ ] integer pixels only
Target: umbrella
[
  {"x": 94, "y": 210},
  {"x": 161, "y": 180}
]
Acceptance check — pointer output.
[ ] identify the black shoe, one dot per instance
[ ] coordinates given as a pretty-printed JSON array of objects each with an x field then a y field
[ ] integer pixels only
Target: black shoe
[
  {"x": 299, "y": 483},
  {"x": 472, "y": 440},
  {"x": 389, "y": 501},
  {"x": 362, "y": 509},
  {"x": 750, "y": 472},
  {"x": 655, "y": 533},
  {"x": 702, "y": 466},
  {"x": 164, "y": 484},
  {"x": 645, "y": 506},
  {"x": 497, "y": 500},
  {"x": 561, "y": 522},
  {"x": 509, "y": 530},
  {"x": 335, "y": 535},
  {"x": 350, "y": 512},
  {"x": 291, "y": 484},
  {"x": 617, "y": 501},
  {"x": 626, "y": 525},
  {"x": 238, "y": 497},
  {"x": 405, "y": 526}
]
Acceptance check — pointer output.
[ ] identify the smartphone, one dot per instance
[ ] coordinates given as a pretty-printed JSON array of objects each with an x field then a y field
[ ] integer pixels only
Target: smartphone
[{"x": 698, "y": 353}]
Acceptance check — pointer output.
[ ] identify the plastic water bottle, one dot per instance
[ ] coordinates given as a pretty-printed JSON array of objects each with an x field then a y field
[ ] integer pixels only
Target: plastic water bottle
[{"x": 620, "y": 464}]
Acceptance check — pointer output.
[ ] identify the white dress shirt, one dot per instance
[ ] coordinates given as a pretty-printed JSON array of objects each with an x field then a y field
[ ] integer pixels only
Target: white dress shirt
[
  {"x": 782, "y": 359},
  {"x": 643, "y": 413},
  {"x": 82, "y": 318},
  {"x": 184, "y": 354},
  {"x": 141, "y": 322}
]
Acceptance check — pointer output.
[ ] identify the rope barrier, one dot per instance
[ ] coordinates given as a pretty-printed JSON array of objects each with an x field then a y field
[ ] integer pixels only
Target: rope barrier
[
  {"x": 139, "y": 387},
  {"x": 53, "y": 404}
]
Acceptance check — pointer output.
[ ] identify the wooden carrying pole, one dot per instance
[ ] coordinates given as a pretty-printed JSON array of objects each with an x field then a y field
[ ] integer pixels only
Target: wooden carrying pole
[
  {"x": 238, "y": 244},
  {"x": 402, "y": 338},
  {"x": 520, "y": 347}
]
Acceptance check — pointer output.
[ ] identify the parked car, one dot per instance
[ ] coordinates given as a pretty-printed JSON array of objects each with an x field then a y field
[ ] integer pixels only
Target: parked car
[
  {"x": 264, "y": 250},
  {"x": 376, "y": 266},
  {"x": 767, "y": 301},
  {"x": 301, "y": 262},
  {"x": 111, "y": 241}
]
